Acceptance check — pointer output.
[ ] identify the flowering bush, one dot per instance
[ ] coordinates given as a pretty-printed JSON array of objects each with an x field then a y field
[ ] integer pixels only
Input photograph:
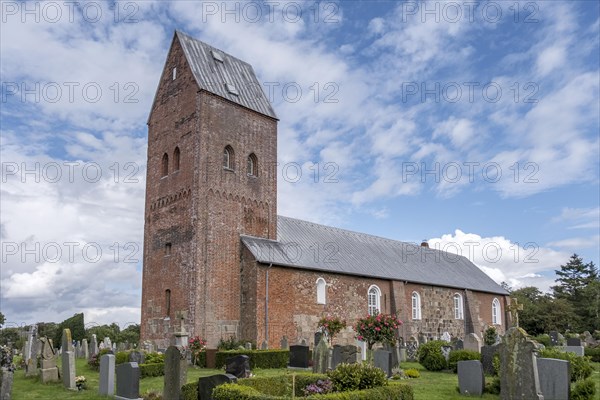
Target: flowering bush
[
  {"x": 331, "y": 326},
  {"x": 197, "y": 346},
  {"x": 320, "y": 387},
  {"x": 80, "y": 382},
  {"x": 379, "y": 328}
]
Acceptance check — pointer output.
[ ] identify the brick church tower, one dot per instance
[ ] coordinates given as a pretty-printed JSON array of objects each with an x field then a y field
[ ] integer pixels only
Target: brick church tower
[{"x": 212, "y": 153}]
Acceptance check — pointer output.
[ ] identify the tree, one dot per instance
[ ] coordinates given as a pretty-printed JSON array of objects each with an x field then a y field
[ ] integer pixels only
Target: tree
[
  {"x": 75, "y": 324},
  {"x": 131, "y": 334},
  {"x": 2, "y": 319}
]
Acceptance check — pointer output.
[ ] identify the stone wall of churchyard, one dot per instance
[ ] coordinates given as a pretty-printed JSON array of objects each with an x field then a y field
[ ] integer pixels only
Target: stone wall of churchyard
[{"x": 202, "y": 209}]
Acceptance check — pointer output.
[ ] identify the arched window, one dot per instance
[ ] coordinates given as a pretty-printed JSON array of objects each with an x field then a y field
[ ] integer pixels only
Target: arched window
[
  {"x": 165, "y": 164},
  {"x": 228, "y": 158},
  {"x": 176, "y": 155},
  {"x": 252, "y": 165},
  {"x": 416, "y": 306},
  {"x": 168, "y": 302},
  {"x": 496, "y": 312},
  {"x": 374, "y": 300},
  {"x": 321, "y": 291},
  {"x": 458, "y": 306}
]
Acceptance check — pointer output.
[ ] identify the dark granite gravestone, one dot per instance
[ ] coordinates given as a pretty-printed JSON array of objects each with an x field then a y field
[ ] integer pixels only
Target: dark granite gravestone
[
  {"x": 299, "y": 356},
  {"x": 175, "y": 373},
  {"x": 487, "y": 358},
  {"x": 395, "y": 351},
  {"x": 554, "y": 338},
  {"x": 555, "y": 378},
  {"x": 238, "y": 366},
  {"x": 348, "y": 354},
  {"x": 137, "y": 357},
  {"x": 383, "y": 359},
  {"x": 459, "y": 345},
  {"x": 208, "y": 383},
  {"x": 573, "y": 342},
  {"x": 471, "y": 380},
  {"x": 128, "y": 381},
  {"x": 318, "y": 336}
]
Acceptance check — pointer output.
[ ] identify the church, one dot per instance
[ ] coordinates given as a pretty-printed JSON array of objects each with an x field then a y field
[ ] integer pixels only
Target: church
[{"x": 218, "y": 260}]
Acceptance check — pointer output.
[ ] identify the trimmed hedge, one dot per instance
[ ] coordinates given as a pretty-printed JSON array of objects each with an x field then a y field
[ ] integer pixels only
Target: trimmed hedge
[
  {"x": 584, "y": 390},
  {"x": 241, "y": 392},
  {"x": 593, "y": 353},
  {"x": 149, "y": 370},
  {"x": 461, "y": 355},
  {"x": 189, "y": 391},
  {"x": 281, "y": 385},
  {"x": 431, "y": 357},
  {"x": 122, "y": 357},
  {"x": 258, "y": 358}
]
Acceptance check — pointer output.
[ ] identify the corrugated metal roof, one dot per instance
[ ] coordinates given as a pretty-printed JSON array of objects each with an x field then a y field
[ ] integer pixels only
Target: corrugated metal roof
[
  {"x": 214, "y": 75},
  {"x": 303, "y": 244}
]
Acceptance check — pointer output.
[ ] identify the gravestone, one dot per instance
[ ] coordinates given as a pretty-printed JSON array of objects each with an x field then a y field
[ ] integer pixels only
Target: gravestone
[
  {"x": 446, "y": 337},
  {"x": 471, "y": 380},
  {"x": 68, "y": 360},
  {"x": 298, "y": 356},
  {"x": 395, "y": 351},
  {"x": 6, "y": 373},
  {"x": 85, "y": 349},
  {"x": 587, "y": 339},
  {"x": 446, "y": 352},
  {"x": 284, "y": 343},
  {"x": 573, "y": 342},
  {"x": 348, "y": 354},
  {"x": 77, "y": 349},
  {"x": 555, "y": 378},
  {"x": 107, "y": 343},
  {"x": 238, "y": 366},
  {"x": 31, "y": 350},
  {"x": 318, "y": 336},
  {"x": 137, "y": 357},
  {"x": 472, "y": 342},
  {"x": 175, "y": 373},
  {"x": 518, "y": 368},
  {"x": 402, "y": 354},
  {"x": 321, "y": 357},
  {"x": 487, "y": 358},
  {"x": 303, "y": 342},
  {"x": 554, "y": 338},
  {"x": 94, "y": 345},
  {"x": 208, "y": 383},
  {"x": 411, "y": 349},
  {"x": 383, "y": 359},
  {"x": 579, "y": 350},
  {"x": 107, "y": 375},
  {"x": 248, "y": 346},
  {"x": 49, "y": 370},
  {"x": 459, "y": 345},
  {"x": 264, "y": 345},
  {"x": 128, "y": 381}
]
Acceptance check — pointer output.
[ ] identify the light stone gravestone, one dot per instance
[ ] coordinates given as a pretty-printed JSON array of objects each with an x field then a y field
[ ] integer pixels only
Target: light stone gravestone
[
  {"x": 94, "y": 345},
  {"x": 555, "y": 378},
  {"x": 284, "y": 343},
  {"x": 321, "y": 357},
  {"x": 49, "y": 370},
  {"x": 68, "y": 360},
  {"x": 579, "y": 350},
  {"x": 264, "y": 345},
  {"x": 175, "y": 373},
  {"x": 472, "y": 342},
  {"x": 31, "y": 350},
  {"x": 107, "y": 375},
  {"x": 128, "y": 381},
  {"x": 519, "y": 377},
  {"x": 248, "y": 346},
  {"x": 107, "y": 343},
  {"x": 85, "y": 349},
  {"x": 446, "y": 337},
  {"x": 471, "y": 380},
  {"x": 446, "y": 352}
]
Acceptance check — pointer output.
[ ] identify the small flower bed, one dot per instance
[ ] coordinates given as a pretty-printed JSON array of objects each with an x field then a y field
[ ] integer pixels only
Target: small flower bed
[
  {"x": 80, "y": 382},
  {"x": 319, "y": 387}
]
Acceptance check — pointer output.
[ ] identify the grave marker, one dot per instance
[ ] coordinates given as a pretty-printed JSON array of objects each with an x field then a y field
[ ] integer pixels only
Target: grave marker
[
  {"x": 471, "y": 380},
  {"x": 555, "y": 378},
  {"x": 518, "y": 368},
  {"x": 107, "y": 375}
]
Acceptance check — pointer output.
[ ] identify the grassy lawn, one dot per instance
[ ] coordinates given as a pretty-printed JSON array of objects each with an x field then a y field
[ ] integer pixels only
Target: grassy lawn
[{"x": 430, "y": 386}]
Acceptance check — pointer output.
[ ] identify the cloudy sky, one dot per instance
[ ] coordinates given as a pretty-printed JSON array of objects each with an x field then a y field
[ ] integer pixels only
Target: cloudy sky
[{"x": 474, "y": 125}]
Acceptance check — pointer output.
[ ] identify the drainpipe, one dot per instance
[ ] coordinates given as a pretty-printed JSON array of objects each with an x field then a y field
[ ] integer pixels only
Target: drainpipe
[{"x": 267, "y": 303}]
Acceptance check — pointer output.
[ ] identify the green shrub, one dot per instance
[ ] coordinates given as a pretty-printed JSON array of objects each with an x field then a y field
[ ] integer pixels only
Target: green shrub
[
  {"x": 584, "y": 390},
  {"x": 231, "y": 344},
  {"x": 348, "y": 377},
  {"x": 122, "y": 357},
  {"x": 149, "y": 370},
  {"x": 581, "y": 367},
  {"x": 154, "y": 395},
  {"x": 543, "y": 339},
  {"x": 461, "y": 355},
  {"x": 496, "y": 364},
  {"x": 201, "y": 360},
  {"x": 189, "y": 391},
  {"x": 431, "y": 357},
  {"x": 412, "y": 373},
  {"x": 281, "y": 385},
  {"x": 593, "y": 353},
  {"x": 489, "y": 336},
  {"x": 94, "y": 361},
  {"x": 493, "y": 387},
  {"x": 154, "y": 358},
  {"x": 258, "y": 358}
]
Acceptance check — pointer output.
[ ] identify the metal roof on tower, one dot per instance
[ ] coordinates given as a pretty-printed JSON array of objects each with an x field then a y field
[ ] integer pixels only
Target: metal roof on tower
[
  {"x": 305, "y": 245},
  {"x": 224, "y": 75}
]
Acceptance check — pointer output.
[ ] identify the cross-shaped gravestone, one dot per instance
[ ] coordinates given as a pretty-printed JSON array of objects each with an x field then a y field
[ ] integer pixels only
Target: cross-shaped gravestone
[{"x": 514, "y": 309}]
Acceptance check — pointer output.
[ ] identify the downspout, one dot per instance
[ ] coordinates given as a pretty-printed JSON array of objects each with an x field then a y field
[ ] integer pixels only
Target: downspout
[{"x": 267, "y": 304}]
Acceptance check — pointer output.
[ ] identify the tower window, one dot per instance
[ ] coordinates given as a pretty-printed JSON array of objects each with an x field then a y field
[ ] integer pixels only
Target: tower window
[
  {"x": 374, "y": 300},
  {"x": 168, "y": 302},
  {"x": 168, "y": 249},
  {"x": 228, "y": 158},
  {"x": 165, "y": 165},
  {"x": 416, "y": 306},
  {"x": 176, "y": 155},
  {"x": 174, "y": 73},
  {"x": 321, "y": 291},
  {"x": 252, "y": 165}
]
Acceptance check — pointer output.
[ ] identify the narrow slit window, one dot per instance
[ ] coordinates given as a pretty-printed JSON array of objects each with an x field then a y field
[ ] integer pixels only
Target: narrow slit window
[
  {"x": 252, "y": 165},
  {"x": 165, "y": 165},
  {"x": 228, "y": 158},
  {"x": 176, "y": 156},
  {"x": 168, "y": 302}
]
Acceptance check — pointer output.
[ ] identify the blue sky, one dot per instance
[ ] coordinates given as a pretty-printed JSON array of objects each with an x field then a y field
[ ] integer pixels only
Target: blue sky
[{"x": 474, "y": 125}]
